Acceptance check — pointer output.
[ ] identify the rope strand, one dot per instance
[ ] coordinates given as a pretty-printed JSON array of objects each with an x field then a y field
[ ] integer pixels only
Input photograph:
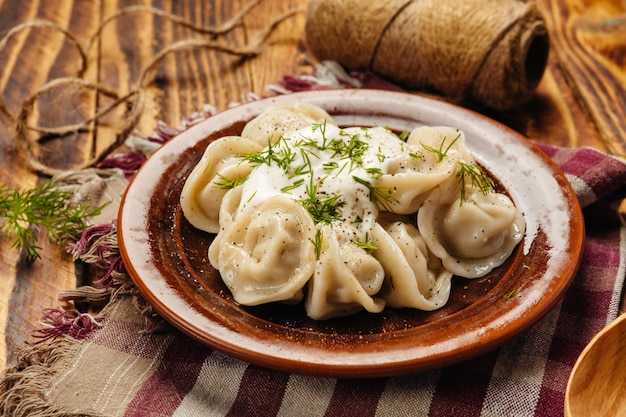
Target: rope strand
[{"x": 29, "y": 136}]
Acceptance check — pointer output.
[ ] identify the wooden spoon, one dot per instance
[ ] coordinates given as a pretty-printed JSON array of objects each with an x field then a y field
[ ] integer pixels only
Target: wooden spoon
[{"x": 597, "y": 384}]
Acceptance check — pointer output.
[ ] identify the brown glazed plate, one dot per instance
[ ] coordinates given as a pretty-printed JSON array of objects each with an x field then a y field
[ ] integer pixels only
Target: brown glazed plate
[{"x": 167, "y": 258}]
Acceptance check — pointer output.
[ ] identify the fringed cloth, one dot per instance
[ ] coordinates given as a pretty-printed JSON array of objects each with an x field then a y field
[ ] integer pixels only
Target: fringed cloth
[{"x": 125, "y": 361}]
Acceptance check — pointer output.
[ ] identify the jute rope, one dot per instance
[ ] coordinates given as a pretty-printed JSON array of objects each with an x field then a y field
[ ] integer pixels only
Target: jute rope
[
  {"x": 491, "y": 52},
  {"x": 29, "y": 136}
]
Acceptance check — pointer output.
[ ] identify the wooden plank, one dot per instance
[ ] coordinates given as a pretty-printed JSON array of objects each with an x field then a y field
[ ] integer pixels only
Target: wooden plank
[
  {"x": 184, "y": 81},
  {"x": 589, "y": 44},
  {"x": 31, "y": 59}
]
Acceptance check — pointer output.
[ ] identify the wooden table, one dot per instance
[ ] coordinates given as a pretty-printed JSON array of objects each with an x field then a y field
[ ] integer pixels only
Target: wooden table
[{"x": 581, "y": 100}]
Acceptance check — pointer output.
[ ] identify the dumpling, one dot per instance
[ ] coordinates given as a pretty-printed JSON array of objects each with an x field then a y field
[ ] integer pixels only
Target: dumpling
[
  {"x": 276, "y": 121},
  {"x": 470, "y": 236},
  {"x": 440, "y": 142},
  {"x": 412, "y": 175},
  {"x": 266, "y": 253},
  {"x": 415, "y": 277},
  {"x": 227, "y": 213},
  {"x": 204, "y": 189},
  {"x": 345, "y": 280}
]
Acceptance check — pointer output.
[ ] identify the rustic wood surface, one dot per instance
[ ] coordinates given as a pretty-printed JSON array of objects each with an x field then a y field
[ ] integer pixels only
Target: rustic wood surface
[{"x": 581, "y": 100}]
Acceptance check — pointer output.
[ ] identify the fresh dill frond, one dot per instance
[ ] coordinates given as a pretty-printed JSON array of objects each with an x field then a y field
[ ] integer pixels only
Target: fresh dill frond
[
  {"x": 375, "y": 172},
  {"x": 354, "y": 150},
  {"x": 317, "y": 243},
  {"x": 46, "y": 206},
  {"x": 251, "y": 197},
  {"x": 367, "y": 245},
  {"x": 330, "y": 166},
  {"x": 282, "y": 156},
  {"x": 227, "y": 183},
  {"x": 379, "y": 195},
  {"x": 322, "y": 128},
  {"x": 477, "y": 178},
  {"x": 293, "y": 186},
  {"x": 322, "y": 209},
  {"x": 509, "y": 295},
  {"x": 442, "y": 152},
  {"x": 380, "y": 155},
  {"x": 305, "y": 168},
  {"x": 404, "y": 135}
]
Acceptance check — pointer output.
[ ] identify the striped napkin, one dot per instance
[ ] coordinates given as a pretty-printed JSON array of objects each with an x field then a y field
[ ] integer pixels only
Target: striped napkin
[{"x": 126, "y": 362}]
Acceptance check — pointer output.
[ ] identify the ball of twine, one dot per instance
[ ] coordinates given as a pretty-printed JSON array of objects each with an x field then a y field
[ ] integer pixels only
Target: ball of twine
[{"x": 491, "y": 52}]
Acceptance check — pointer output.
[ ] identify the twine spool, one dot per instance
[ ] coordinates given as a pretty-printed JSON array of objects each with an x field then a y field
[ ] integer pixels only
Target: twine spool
[{"x": 491, "y": 52}]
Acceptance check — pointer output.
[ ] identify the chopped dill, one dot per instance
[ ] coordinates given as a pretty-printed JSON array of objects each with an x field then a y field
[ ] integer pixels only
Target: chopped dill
[
  {"x": 331, "y": 166},
  {"x": 317, "y": 243},
  {"x": 509, "y": 295},
  {"x": 283, "y": 156},
  {"x": 477, "y": 177},
  {"x": 323, "y": 210},
  {"x": 293, "y": 186},
  {"x": 379, "y": 195},
  {"x": 322, "y": 128},
  {"x": 380, "y": 155},
  {"x": 375, "y": 172},
  {"x": 442, "y": 152},
  {"x": 227, "y": 183},
  {"x": 251, "y": 197},
  {"x": 353, "y": 150},
  {"x": 367, "y": 245}
]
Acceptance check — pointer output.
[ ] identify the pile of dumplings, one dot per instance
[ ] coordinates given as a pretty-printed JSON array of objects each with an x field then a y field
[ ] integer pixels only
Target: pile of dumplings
[{"x": 346, "y": 219}]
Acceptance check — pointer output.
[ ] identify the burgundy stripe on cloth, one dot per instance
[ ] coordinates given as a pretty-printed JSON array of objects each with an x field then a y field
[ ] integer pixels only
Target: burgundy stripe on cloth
[
  {"x": 604, "y": 174},
  {"x": 176, "y": 375},
  {"x": 358, "y": 397},
  {"x": 260, "y": 393},
  {"x": 463, "y": 387}
]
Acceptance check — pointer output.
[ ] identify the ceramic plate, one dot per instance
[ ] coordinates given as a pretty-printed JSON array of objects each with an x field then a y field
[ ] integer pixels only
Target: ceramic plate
[{"x": 167, "y": 258}]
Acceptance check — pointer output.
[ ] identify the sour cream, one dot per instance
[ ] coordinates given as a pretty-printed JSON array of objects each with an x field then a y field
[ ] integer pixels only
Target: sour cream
[{"x": 333, "y": 172}]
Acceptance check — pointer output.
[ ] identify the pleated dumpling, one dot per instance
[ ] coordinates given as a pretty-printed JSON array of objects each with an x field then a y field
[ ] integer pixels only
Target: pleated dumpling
[
  {"x": 206, "y": 185},
  {"x": 411, "y": 175},
  {"x": 266, "y": 253},
  {"x": 274, "y": 122},
  {"x": 471, "y": 233},
  {"x": 415, "y": 277},
  {"x": 345, "y": 280},
  {"x": 440, "y": 142}
]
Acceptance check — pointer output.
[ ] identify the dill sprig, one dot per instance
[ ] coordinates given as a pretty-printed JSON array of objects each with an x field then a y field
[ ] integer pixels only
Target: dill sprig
[
  {"x": 379, "y": 195},
  {"x": 227, "y": 183},
  {"x": 367, "y": 245},
  {"x": 296, "y": 184},
  {"x": 23, "y": 213},
  {"x": 353, "y": 150},
  {"x": 282, "y": 156},
  {"x": 322, "y": 209},
  {"x": 317, "y": 243},
  {"x": 443, "y": 150},
  {"x": 476, "y": 176}
]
